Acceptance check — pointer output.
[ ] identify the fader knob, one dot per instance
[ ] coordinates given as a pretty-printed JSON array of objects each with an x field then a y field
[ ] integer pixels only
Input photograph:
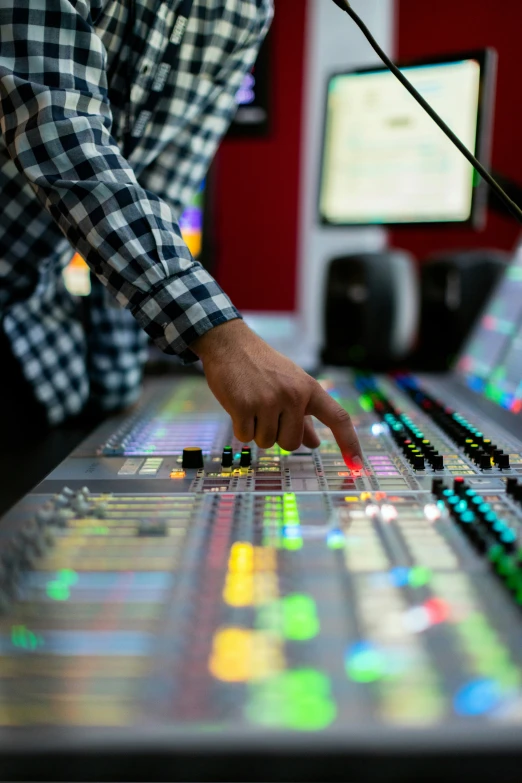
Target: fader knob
[
  {"x": 227, "y": 458},
  {"x": 437, "y": 485},
  {"x": 437, "y": 462},
  {"x": 246, "y": 457},
  {"x": 484, "y": 462},
  {"x": 418, "y": 462},
  {"x": 459, "y": 485},
  {"x": 511, "y": 485},
  {"x": 502, "y": 461},
  {"x": 192, "y": 458}
]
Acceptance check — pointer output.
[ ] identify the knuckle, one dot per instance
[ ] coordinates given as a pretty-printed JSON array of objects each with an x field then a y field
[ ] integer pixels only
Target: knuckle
[
  {"x": 264, "y": 442},
  {"x": 268, "y": 400},
  {"x": 294, "y": 396},
  {"x": 290, "y": 444},
  {"x": 242, "y": 434}
]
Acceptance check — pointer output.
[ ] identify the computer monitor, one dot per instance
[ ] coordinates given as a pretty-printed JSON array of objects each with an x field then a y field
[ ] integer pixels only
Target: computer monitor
[
  {"x": 491, "y": 361},
  {"x": 386, "y": 162}
]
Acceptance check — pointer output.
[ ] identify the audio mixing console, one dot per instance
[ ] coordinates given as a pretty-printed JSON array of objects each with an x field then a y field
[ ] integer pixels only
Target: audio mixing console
[{"x": 168, "y": 593}]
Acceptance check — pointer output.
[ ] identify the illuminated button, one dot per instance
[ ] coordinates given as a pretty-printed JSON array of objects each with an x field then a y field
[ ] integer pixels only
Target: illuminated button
[
  {"x": 192, "y": 458},
  {"x": 458, "y": 484}
]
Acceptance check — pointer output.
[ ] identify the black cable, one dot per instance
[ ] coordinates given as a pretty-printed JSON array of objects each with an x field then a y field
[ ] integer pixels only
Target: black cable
[{"x": 510, "y": 204}]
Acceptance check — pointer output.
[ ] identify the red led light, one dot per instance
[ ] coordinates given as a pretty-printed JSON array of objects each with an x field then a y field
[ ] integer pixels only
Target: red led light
[{"x": 438, "y": 610}]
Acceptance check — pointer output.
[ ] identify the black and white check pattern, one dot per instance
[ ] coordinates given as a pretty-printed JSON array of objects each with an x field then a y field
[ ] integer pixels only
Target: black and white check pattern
[{"x": 65, "y": 67}]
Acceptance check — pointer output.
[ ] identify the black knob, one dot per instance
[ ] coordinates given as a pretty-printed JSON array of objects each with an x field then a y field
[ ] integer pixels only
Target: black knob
[
  {"x": 511, "y": 485},
  {"x": 459, "y": 485},
  {"x": 418, "y": 462},
  {"x": 227, "y": 458},
  {"x": 437, "y": 485},
  {"x": 192, "y": 458},
  {"x": 503, "y": 461},
  {"x": 484, "y": 462},
  {"x": 437, "y": 462},
  {"x": 246, "y": 457}
]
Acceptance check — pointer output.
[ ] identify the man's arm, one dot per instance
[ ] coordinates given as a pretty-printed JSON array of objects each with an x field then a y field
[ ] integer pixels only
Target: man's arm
[{"x": 56, "y": 121}]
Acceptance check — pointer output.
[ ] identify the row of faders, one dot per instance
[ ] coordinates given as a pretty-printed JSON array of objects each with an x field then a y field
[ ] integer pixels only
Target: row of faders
[{"x": 307, "y": 611}]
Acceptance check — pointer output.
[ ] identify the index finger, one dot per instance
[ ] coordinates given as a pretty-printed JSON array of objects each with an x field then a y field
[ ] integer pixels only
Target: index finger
[{"x": 324, "y": 408}]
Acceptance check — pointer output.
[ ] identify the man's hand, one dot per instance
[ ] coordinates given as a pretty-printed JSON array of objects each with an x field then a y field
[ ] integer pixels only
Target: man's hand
[{"x": 269, "y": 398}]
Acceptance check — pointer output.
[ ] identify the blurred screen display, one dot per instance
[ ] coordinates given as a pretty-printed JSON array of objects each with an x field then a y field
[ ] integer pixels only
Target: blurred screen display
[
  {"x": 492, "y": 359},
  {"x": 252, "y": 118},
  {"x": 385, "y": 160},
  {"x": 77, "y": 275},
  {"x": 191, "y": 223}
]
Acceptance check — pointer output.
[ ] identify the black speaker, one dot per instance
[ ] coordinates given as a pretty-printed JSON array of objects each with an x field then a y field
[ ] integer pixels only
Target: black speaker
[
  {"x": 371, "y": 309},
  {"x": 455, "y": 287}
]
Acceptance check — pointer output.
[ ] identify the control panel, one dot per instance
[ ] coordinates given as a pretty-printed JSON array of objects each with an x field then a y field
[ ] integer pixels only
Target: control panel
[
  {"x": 182, "y": 440},
  {"x": 166, "y": 575}
]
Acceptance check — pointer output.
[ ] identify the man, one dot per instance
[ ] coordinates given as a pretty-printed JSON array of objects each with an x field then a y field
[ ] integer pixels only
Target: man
[{"x": 110, "y": 113}]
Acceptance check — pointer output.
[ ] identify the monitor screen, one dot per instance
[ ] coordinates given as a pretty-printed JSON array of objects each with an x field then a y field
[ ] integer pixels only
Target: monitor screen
[
  {"x": 491, "y": 362},
  {"x": 384, "y": 159}
]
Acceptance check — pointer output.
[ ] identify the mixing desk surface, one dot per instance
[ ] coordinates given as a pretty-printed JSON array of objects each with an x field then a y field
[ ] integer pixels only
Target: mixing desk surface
[{"x": 178, "y": 605}]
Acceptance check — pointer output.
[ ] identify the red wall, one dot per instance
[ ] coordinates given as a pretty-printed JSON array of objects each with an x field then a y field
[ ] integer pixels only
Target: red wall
[
  {"x": 426, "y": 28},
  {"x": 257, "y": 184}
]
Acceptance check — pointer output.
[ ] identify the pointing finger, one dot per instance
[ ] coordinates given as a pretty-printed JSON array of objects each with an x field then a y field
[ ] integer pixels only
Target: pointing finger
[{"x": 329, "y": 412}]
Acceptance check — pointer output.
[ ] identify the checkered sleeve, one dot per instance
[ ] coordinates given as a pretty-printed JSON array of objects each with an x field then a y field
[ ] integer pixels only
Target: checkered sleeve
[{"x": 56, "y": 122}]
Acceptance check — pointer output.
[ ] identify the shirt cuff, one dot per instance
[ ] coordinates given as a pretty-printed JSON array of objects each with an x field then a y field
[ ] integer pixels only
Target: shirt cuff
[{"x": 181, "y": 309}]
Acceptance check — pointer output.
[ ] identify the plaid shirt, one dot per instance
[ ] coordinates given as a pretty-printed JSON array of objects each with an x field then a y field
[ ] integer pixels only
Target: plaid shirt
[{"x": 65, "y": 67}]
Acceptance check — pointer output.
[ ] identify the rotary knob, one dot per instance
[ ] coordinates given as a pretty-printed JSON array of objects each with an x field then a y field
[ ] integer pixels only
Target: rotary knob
[
  {"x": 246, "y": 457},
  {"x": 227, "y": 458},
  {"x": 192, "y": 458}
]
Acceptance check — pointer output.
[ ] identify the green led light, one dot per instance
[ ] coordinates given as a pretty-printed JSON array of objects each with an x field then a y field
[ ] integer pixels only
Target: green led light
[
  {"x": 292, "y": 544},
  {"x": 366, "y": 403},
  {"x": 300, "y": 621},
  {"x": 67, "y": 577},
  {"x": 366, "y": 666},
  {"x": 24, "y": 638},
  {"x": 298, "y": 699},
  {"x": 57, "y": 591},
  {"x": 419, "y": 576},
  {"x": 336, "y": 540}
]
